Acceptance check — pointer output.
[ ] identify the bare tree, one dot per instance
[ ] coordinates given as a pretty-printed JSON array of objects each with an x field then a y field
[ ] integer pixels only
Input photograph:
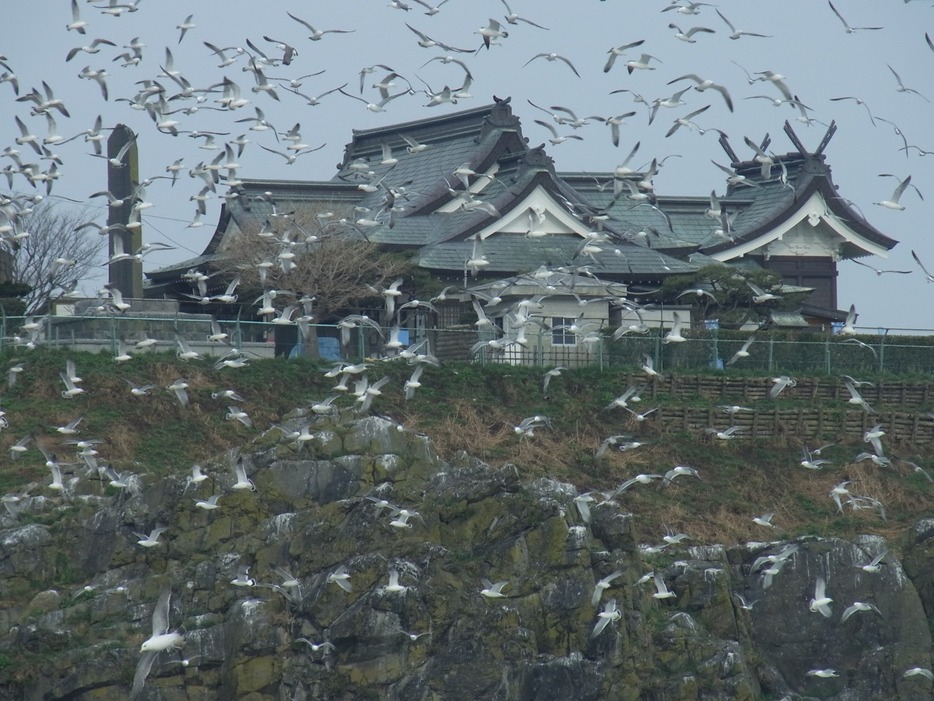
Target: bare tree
[
  {"x": 56, "y": 253},
  {"x": 317, "y": 255},
  {"x": 321, "y": 257}
]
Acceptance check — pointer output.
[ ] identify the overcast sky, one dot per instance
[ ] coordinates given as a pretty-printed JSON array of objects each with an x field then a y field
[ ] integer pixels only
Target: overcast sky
[{"x": 809, "y": 45}]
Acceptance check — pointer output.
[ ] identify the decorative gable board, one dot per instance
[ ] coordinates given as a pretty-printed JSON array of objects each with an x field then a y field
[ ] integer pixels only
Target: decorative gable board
[{"x": 812, "y": 230}]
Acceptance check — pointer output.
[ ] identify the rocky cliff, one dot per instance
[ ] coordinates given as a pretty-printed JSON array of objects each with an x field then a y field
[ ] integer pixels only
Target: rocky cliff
[{"x": 255, "y": 585}]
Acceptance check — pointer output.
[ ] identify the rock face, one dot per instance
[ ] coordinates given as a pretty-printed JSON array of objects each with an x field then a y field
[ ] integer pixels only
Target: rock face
[{"x": 78, "y": 592}]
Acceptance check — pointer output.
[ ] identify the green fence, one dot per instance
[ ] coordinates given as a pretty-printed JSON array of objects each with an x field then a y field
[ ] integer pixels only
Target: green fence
[{"x": 771, "y": 352}]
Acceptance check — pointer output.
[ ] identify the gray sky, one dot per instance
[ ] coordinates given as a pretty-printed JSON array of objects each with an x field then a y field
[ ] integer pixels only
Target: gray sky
[{"x": 810, "y": 47}]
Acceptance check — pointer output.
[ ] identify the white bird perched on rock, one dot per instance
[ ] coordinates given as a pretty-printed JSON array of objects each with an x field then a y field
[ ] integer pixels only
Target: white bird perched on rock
[
  {"x": 160, "y": 640},
  {"x": 609, "y": 614},
  {"x": 821, "y": 602},
  {"x": 492, "y": 591}
]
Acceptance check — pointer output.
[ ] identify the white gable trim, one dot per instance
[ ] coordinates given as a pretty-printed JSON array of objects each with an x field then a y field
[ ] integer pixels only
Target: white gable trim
[
  {"x": 554, "y": 218},
  {"x": 813, "y": 212}
]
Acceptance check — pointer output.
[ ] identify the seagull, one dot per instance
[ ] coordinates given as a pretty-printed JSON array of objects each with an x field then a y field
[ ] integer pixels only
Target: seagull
[
  {"x": 856, "y": 398},
  {"x": 661, "y": 589},
  {"x": 743, "y": 352},
  {"x": 603, "y": 585},
  {"x": 859, "y": 606},
  {"x": 609, "y": 613},
  {"x": 847, "y": 27},
  {"x": 554, "y": 57},
  {"x": 151, "y": 540},
  {"x": 764, "y": 520},
  {"x": 918, "y": 672},
  {"x": 492, "y": 591},
  {"x": 642, "y": 63},
  {"x": 76, "y": 23},
  {"x": 821, "y": 602},
  {"x": 737, "y": 33},
  {"x": 555, "y": 140},
  {"x": 674, "y": 335},
  {"x": 160, "y": 640},
  {"x": 703, "y": 84},
  {"x": 893, "y": 203},
  {"x": 875, "y": 565},
  {"x": 341, "y": 578},
  {"x": 677, "y": 471},
  {"x": 394, "y": 587},
  {"x": 179, "y": 387},
  {"x": 317, "y": 35},
  {"x": 513, "y": 18},
  {"x": 779, "y": 384},
  {"x": 687, "y": 36},
  {"x": 928, "y": 276},
  {"x": 617, "y": 51},
  {"x": 210, "y": 503},
  {"x": 326, "y": 646},
  {"x": 823, "y": 673},
  {"x": 493, "y": 30},
  {"x": 242, "y": 481}
]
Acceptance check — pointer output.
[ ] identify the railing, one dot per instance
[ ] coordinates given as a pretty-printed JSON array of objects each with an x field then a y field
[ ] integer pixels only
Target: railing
[{"x": 771, "y": 352}]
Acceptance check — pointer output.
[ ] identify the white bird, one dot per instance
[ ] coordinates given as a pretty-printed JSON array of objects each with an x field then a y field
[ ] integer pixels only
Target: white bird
[
  {"x": 326, "y": 647},
  {"x": 857, "y": 606},
  {"x": 492, "y": 591},
  {"x": 609, "y": 614},
  {"x": 737, "y": 33},
  {"x": 210, "y": 503},
  {"x": 617, "y": 51},
  {"x": 689, "y": 34},
  {"x": 821, "y": 602},
  {"x": 641, "y": 63},
  {"x": 318, "y": 34},
  {"x": 394, "y": 587},
  {"x": 893, "y": 202},
  {"x": 743, "y": 352},
  {"x": 874, "y": 565},
  {"x": 846, "y": 26},
  {"x": 341, "y": 578},
  {"x": 179, "y": 387},
  {"x": 764, "y": 520},
  {"x": 918, "y": 672},
  {"x": 677, "y": 471},
  {"x": 554, "y": 57},
  {"x": 674, "y": 335},
  {"x": 240, "y": 477},
  {"x": 827, "y": 673},
  {"x": 151, "y": 540},
  {"x": 160, "y": 640},
  {"x": 661, "y": 589},
  {"x": 779, "y": 384},
  {"x": 602, "y": 585}
]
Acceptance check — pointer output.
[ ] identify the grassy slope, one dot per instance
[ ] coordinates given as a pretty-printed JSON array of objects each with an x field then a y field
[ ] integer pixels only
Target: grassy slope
[{"x": 462, "y": 407}]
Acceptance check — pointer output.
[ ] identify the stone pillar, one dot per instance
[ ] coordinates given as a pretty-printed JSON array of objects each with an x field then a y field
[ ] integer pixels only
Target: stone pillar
[{"x": 125, "y": 275}]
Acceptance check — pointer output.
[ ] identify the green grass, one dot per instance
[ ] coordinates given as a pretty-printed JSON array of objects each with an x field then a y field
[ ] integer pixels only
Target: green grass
[{"x": 463, "y": 407}]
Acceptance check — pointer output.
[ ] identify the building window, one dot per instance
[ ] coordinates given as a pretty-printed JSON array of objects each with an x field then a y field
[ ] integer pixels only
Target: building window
[{"x": 561, "y": 333}]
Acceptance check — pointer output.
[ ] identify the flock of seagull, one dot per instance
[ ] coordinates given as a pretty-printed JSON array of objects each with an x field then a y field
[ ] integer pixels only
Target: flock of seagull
[{"x": 189, "y": 90}]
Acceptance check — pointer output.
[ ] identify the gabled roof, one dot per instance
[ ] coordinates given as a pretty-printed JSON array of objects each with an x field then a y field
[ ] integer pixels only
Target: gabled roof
[{"x": 433, "y": 186}]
